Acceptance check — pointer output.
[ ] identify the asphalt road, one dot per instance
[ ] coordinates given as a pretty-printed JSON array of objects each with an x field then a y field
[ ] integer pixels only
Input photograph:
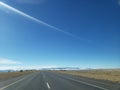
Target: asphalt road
[{"x": 46, "y": 80}]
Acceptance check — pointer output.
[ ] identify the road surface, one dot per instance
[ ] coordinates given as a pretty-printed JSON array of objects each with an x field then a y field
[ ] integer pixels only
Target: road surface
[{"x": 47, "y": 80}]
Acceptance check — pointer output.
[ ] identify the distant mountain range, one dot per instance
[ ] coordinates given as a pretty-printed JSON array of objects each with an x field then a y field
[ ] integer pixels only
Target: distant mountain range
[
  {"x": 57, "y": 68},
  {"x": 62, "y": 68},
  {"x": 6, "y": 70}
]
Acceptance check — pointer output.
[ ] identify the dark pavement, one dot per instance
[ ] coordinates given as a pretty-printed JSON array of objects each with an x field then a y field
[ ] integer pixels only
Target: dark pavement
[{"x": 46, "y": 80}]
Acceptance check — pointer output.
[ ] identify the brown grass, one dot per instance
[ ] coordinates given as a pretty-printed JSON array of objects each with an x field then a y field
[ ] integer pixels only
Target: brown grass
[
  {"x": 13, "y": 74},
  {"x": 109, "y": 75}
]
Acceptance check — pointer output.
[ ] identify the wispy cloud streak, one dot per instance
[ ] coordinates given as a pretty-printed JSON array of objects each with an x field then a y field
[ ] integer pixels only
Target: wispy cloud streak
[
  {"x": 37, "y": 20},
  {"x": 4, "y": 61},
  {"x": 119, "y": 2},
  {"x": 30, "y": 1}
]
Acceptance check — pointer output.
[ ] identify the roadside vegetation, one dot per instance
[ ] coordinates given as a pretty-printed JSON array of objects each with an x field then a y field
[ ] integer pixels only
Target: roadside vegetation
[
  {"x": 6, "y": 75},
  {"x": 109, "y": 75}
]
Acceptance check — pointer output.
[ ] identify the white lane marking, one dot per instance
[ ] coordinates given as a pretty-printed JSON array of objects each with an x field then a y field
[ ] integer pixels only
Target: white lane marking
[
  {"x": 12, "y": 83},
  {"x": 88, "y": 84},
  {"x": 96, "y": 82},
  {"x": 48, "y": 85}
]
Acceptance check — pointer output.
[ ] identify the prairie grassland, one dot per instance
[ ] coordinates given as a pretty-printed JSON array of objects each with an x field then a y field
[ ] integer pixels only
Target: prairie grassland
[
  {"x": 108, "y": 75},
  {"x": 6, "y": 75}
]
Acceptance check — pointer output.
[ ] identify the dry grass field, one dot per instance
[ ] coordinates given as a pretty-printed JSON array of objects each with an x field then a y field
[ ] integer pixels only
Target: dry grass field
[
  {"x": 6, "y": 75},
  {"x": 109, "y": 75}
]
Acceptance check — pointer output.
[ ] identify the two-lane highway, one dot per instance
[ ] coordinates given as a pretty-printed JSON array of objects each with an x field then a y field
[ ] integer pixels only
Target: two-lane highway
[{"x": 46, "y": 80}]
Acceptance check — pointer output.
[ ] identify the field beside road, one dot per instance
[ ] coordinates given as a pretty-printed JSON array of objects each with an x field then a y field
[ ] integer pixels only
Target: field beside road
[
  {"x": 107, "y": 75},
  {"x": 7, "y": 75}
]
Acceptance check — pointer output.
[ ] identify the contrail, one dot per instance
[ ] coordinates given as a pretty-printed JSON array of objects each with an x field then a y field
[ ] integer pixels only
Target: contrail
[{"x": 37, "y": 20}]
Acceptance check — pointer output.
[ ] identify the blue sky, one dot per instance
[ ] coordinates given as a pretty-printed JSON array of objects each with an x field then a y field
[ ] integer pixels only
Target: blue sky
[{"x": 94, "y": 23}]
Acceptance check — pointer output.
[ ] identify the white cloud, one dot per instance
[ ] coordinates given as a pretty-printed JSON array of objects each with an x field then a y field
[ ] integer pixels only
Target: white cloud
[
  {"x": 8, "y": 61},
  {"x": 4, "y": 67}
]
